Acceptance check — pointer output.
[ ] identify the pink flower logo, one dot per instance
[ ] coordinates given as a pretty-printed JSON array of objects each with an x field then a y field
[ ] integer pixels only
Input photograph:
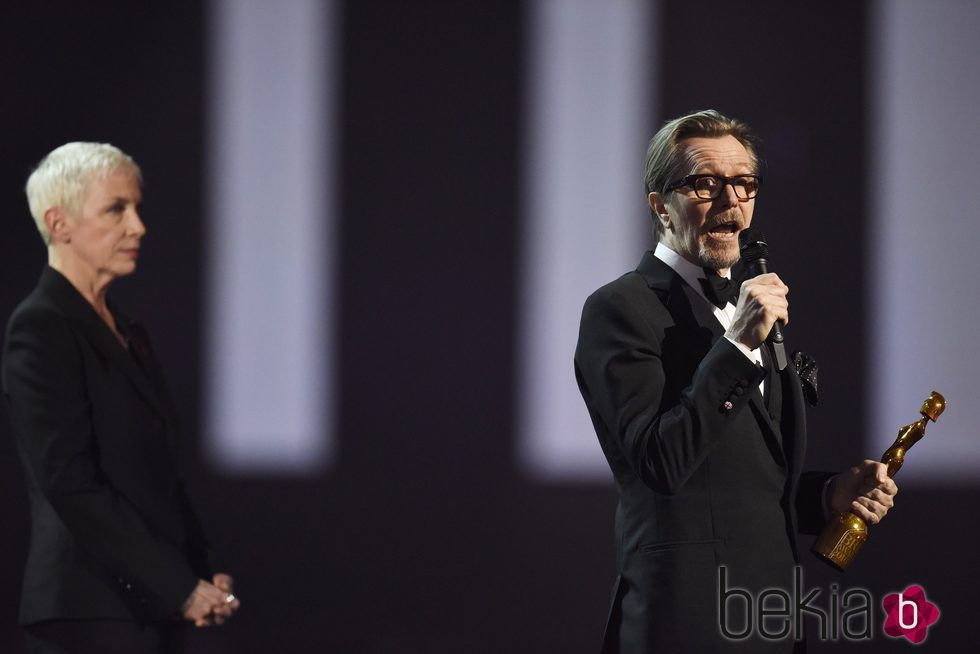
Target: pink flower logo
[{"x": 910, "y": 614}]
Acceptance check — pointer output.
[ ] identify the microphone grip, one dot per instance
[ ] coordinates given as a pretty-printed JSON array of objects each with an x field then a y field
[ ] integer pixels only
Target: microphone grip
[{"x": 760, "y": 267}]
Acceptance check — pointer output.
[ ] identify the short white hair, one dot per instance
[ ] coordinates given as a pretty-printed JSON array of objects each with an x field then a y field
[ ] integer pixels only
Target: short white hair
[{"x": 62, "y": 177}]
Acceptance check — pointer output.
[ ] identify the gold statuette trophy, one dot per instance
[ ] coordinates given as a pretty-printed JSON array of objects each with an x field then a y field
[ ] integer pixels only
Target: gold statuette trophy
[{"x": 845, "y": 533}]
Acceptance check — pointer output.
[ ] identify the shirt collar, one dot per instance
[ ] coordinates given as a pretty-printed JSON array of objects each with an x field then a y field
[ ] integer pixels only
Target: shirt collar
[{"x": 688, "y": 271}]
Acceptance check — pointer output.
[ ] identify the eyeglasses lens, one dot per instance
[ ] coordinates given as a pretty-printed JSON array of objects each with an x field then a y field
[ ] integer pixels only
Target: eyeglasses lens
[{"x": 709, "y": 188}]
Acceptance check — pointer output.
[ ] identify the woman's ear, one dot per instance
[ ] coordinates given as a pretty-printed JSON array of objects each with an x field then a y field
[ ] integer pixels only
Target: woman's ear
[{"x": 59, "y": 227}]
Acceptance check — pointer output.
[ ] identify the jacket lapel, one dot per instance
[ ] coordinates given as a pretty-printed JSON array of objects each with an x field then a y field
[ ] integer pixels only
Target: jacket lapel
[
  {"x": 685, "y": 305},
  {"x": 766, "y": 410},
  {"x": 787, "y": 411},
  {"x": 77, "y": 308},
  {"x": 793, "y": 418},
  {"x": 689, "y": 309}
]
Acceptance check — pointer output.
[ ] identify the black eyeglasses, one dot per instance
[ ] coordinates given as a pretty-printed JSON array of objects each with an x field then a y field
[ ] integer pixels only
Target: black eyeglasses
[{"x": 708, "y": 187}]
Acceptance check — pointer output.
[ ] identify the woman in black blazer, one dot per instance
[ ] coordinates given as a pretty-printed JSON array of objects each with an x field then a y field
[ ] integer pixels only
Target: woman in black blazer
[{"x": 117, "y": 560}]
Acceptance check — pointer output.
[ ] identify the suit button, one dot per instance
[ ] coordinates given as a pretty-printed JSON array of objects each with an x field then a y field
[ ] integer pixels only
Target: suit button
[
  {"x": 728, "y": 405},
  {"x": 739, "y": 390}
]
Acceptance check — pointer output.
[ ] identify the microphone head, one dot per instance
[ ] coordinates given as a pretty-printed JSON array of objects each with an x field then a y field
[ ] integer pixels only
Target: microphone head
[{"x": 752, "y": 245}]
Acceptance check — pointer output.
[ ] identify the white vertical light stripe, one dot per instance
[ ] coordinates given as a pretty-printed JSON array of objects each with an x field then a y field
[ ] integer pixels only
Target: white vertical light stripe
[
  {"x": 271, "y": 216},
  {"x": 925, "y": 309},
  {"x": 591, "y": 71}
]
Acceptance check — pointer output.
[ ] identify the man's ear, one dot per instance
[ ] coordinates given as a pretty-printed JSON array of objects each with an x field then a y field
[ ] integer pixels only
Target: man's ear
[
  {"x": 658, "y": 205},
  {"x": 59, "y": 227}
]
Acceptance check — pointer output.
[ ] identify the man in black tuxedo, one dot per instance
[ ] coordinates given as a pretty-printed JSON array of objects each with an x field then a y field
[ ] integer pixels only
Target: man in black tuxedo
[
  {"x": 704, "y": 436},
  {"x": 117, "y": 560}
]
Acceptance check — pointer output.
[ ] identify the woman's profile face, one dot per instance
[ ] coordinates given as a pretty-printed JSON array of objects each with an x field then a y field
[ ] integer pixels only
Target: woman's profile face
[{"x": 106, "y": 231}]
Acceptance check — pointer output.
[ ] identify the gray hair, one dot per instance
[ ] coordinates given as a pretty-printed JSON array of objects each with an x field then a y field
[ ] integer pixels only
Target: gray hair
[
  {"x": 62, "y": 177},
  {"x": 666, "y": 159}
]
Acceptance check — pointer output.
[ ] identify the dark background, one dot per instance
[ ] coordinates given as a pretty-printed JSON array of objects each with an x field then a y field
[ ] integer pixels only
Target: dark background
[{"x": 424, "y": 536}]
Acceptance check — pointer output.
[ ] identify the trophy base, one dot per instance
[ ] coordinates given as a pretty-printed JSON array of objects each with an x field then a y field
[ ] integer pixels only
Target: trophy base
[{"x": 840, "y": 540}]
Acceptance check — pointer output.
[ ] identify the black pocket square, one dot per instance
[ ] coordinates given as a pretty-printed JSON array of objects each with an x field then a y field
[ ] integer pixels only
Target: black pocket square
[{"x": 806, "y": 368}]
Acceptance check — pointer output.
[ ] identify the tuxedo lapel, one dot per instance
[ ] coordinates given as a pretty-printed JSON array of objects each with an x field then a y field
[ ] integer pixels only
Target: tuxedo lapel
[
  {"x": 77, "y": 309},
  {"x": 703, "y": 315},
  {"x": 793, "y": 419},
  {"x": 685, "y": 304},
  {"x": 700, "y": 329},
  {"x": 768, "y": 407}
]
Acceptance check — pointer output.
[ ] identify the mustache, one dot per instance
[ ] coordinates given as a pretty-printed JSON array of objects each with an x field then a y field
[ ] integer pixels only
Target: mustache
[{"x": 728, "y": 218}]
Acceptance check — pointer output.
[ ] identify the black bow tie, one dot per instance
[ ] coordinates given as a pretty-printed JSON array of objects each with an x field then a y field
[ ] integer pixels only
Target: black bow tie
[{"x": 719, "y": 290}]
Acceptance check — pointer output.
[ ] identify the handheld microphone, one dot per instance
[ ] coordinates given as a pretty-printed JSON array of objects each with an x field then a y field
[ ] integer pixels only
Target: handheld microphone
[{"x": 755, "y": 256}]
